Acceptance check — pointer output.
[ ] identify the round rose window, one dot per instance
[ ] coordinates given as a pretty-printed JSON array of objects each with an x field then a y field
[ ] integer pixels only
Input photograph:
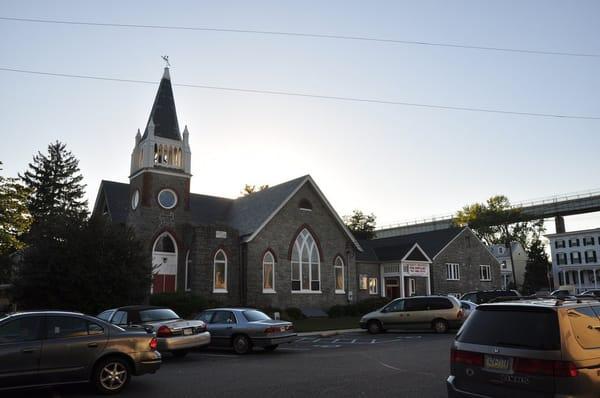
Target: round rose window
[
  {"x": 135, "y": 199},
  {"x": 167, "y": 198}
]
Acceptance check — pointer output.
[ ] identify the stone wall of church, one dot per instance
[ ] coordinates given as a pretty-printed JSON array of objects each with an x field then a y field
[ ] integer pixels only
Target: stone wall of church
[
  {"x": 207, "y": 240},
  {"x": 467, "y": 251},
  {"x": 278, "y": 236}
]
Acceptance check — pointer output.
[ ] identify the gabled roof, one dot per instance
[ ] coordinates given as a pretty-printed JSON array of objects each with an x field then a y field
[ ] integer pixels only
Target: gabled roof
[
  {"x": 116, "y": 196},
  {"x": 395, "y": 248},
  {"x": 163, "y": 115},
  {"x": 248, "y": 214}
]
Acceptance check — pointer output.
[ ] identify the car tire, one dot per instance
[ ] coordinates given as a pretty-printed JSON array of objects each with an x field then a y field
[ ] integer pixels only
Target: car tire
[
  {"x": 440, "y": 326},
  {"x": 179, "y": 353},
  {"x": 374, "y": 327},
  {"x": 111, "y": 375},
  {"x": 271, "y": 347},
  {"x": 242, "y": 344}
]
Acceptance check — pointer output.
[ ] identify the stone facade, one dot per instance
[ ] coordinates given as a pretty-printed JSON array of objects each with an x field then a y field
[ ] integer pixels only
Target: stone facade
[
  {"x": 469, "y": 252},
  {"x": 279, "y": 235}
]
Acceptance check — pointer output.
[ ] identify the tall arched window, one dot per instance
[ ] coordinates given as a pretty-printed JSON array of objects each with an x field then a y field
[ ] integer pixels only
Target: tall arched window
[
  {"x": 164, "y": 264},
  {"x": 268, "y": 273},
  {"x": 306, "y": 276},
  {"x": 338, "y": 267},
  {"x": 188, "y": 274},
  {"x": 220, "y": 272}
]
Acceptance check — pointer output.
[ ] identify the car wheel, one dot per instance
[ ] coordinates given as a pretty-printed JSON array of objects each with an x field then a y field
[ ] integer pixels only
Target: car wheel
[
  {"x": 179, "y": 353},
  {"x": 271, "y": 347},
  {"x": 374, "y": 327},
  {"x": 440, "y": 326},
  {"x": 111, "y": 375},
  {"x": 241, "y": 344}
]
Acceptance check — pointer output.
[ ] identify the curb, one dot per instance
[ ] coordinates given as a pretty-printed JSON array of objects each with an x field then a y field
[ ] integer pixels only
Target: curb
[{"x": 329, "y": 333}]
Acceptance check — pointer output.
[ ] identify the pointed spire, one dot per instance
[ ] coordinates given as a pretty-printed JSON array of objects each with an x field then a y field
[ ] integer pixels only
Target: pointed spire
[
  {"x": 138, "y": 137},
  {"x": 163, "y": 115}
]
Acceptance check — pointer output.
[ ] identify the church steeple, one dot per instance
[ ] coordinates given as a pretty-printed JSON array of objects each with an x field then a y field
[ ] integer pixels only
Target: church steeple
[
  {"x": 161, "y": 146},
  {"x": 163, "y": 116}
]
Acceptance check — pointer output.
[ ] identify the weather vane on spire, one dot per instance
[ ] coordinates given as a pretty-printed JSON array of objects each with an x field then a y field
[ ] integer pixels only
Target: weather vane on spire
[{"x": 166, "y": 59}]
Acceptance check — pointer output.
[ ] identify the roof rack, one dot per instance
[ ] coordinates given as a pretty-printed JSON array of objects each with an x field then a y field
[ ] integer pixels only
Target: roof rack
[
  {"x": 559, "y": 301},
  {"x": 577, "y": 299}
]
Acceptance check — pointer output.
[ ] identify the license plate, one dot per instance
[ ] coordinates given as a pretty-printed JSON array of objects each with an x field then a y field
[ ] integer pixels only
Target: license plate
[
  {"x": 187, "y": 332},
  {"x": 493, "y": 362}
]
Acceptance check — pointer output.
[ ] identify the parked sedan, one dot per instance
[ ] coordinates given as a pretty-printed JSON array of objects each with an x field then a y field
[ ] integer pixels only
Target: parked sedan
[
  {"x": 51, "y": 347},
  {"x": 174, "y": 334},
  {"x": 245, "y": 328}
]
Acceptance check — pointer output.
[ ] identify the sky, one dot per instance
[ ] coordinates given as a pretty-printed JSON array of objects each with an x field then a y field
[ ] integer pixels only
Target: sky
[{"x": 400, "y": 163}]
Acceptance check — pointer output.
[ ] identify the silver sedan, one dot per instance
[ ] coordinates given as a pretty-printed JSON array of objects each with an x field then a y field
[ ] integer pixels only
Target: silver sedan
[{"x": 245, "y": 328}]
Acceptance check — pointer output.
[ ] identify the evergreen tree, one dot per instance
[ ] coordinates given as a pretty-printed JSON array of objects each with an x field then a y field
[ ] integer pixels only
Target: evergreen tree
[
  {"x": 537, "y": 268},
  {"x": 57, "y": 192},
  {"x": 361, "y": 225},
  {"x": 92, "y": 268}
]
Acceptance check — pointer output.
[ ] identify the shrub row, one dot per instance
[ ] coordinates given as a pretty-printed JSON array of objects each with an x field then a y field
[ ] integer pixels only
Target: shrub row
[{"x": 357, "y": 309}]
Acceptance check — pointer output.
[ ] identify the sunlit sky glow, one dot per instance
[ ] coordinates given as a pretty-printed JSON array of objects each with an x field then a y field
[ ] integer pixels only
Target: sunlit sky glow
[{"x": 401, "y": 163}]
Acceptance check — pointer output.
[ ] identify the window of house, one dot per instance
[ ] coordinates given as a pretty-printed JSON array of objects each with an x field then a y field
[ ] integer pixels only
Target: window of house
[
  {"x": 575, "y": 258},
  {"x": 573, "y": 242},
  {"x": 452, "y": 272},
  {"x": 305, "y": 205},
  {"x": 220, "y": 272},
  {"x": 588, "y": 241},
  {"x": 188, "y": 274},
  {"x": 590, "y": 256},
  {"x": 363, "y": 282},
  {"x": 373, "y": 286},
  {"x": 503, "y": 264},
  {"x": 500, "y": 250},
  {"x": 561, "y": 258},
  {"x": 268, "y": 273},
  {"x": 306, "y": 264},
  {"x": 559, "y": 244},
  {"x": 338, "y": 268},
  {"x": 485, "y": 273}
]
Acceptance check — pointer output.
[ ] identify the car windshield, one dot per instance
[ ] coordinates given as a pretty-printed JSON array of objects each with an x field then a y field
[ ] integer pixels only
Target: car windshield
[
  {"x": 511, "y": 326},
  {"x": 157, "y": 314},
  {"x": 254, "y": 315}
]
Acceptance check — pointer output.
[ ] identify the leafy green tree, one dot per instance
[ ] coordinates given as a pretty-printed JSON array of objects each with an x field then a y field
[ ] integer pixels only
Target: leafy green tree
[
  {"x": 250, "y": 189},
  {"x": 360, "y": 224},
  {"x": 56, "y": 192},
  {"x": 537, "y": 268},
  {"x": 91, "y": 268},
  {"x": 498, "y": 222},
  {"x": 14, "y": 216}
]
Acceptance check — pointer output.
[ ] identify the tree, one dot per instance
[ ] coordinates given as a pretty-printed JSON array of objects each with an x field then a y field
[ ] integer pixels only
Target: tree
[
  {"x": 91, "y": 268},
  {"x": 537, "y": 268},
  {"x": 250, "y": 189},
  {"x": 498, "y": 222},
  {"x": 14, "y": 216},
  {"x": 56, "y": 191},
  {"x": 360, "y": 224},
  {"x": 14, "y": 222}
]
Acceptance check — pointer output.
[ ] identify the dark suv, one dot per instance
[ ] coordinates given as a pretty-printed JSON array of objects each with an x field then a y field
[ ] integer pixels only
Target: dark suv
[
  {"x": 530, "y": 348},
  {"x": 485, "y": 296}
]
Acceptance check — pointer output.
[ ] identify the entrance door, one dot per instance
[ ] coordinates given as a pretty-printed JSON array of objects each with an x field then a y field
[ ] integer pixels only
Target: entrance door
[
  {"x": 392, "y": 288},
  {"x": 164, "y": 264},
  {"x": 410, "y": 286}
]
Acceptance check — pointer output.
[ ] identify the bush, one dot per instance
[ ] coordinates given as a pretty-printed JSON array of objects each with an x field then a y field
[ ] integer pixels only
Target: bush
[
  {"x": 292, "y": 314},
  {"x": 184, "y": 304},
  {"x": 358, "y": 309}
]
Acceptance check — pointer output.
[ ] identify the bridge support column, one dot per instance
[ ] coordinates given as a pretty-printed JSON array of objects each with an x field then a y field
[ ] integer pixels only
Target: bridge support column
[{"x": 559, "y": 222}]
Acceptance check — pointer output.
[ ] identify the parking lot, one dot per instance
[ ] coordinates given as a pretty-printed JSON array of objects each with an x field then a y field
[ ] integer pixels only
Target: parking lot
[{"x": 352, "y": 365}]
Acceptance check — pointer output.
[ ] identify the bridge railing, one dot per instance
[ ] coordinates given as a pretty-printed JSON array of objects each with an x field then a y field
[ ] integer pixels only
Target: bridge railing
[{"x": 527, "y": 203}]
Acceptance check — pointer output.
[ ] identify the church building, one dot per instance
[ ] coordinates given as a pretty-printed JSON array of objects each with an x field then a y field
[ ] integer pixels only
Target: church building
[{"x": 284, "y": 246}]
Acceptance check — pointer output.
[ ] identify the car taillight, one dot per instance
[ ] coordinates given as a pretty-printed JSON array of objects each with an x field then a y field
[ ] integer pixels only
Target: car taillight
[
  {"x": 164, "y": 331},
  {"x": 290, "y": 328},
  {"x": 466, "y": 357},
  {"x": 153, "y": 344},
  {"x": 544, "y": 367}
]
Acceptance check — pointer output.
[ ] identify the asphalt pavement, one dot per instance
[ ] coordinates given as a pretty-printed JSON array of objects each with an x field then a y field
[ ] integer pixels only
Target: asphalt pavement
[{"x": 348, "y": 365}]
